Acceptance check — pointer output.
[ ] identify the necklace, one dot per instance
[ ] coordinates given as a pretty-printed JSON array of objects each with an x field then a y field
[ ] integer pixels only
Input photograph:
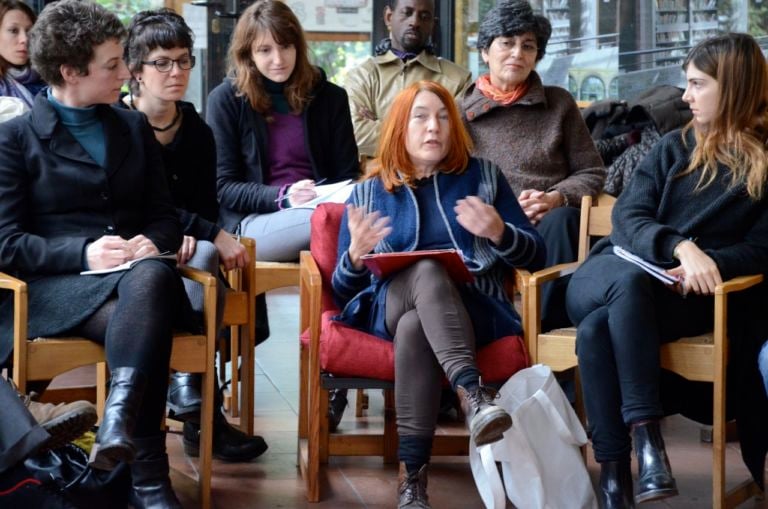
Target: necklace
[
  {"x": 160, "y": 129},
  {"x": 173, "y": 122}
]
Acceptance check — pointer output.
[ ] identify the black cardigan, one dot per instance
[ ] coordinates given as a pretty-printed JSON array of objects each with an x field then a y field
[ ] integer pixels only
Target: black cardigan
[{"x": 242, "y": 148}]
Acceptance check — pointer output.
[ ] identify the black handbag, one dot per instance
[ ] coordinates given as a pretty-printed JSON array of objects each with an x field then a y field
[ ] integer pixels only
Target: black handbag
[{"x": 66, "y": 469}]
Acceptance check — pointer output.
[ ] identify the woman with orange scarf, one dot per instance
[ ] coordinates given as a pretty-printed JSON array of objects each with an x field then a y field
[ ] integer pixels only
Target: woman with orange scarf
[{"x": 535, "y": 134}]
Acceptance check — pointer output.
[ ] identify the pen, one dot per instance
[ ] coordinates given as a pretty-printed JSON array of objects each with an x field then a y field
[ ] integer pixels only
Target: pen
[{"x": 292, "y": 193}]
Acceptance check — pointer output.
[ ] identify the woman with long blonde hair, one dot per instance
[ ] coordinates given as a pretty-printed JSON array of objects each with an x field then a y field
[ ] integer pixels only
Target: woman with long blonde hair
[{"x": 697, "y": 207}]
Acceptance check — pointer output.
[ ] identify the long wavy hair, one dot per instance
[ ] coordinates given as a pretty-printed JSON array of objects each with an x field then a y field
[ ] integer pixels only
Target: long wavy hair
[
  {"x": 277, "y": 18},
  {"x": 13, "y": 5},
  {"x": 737, "y": 137},
  {"x": 393, "y": 164}
]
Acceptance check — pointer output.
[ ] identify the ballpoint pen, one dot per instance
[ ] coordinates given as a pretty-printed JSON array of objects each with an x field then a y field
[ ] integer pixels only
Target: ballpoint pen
[{"x": 286, "y": 195}]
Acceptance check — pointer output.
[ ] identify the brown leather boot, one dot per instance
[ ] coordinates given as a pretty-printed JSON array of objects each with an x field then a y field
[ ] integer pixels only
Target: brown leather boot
[
  {"x": 412, "y": 489},
  {"x": 486, "y": 421}
]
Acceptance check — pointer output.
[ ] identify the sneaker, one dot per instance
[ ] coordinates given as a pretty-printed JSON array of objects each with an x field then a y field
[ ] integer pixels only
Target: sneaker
[
  {"x": 64, "y": 422},
  {"x": 486, "y": 421}
]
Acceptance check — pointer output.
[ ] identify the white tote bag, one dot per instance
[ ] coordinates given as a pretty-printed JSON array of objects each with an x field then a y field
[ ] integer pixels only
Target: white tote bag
[{"x": 541, "y": 464}]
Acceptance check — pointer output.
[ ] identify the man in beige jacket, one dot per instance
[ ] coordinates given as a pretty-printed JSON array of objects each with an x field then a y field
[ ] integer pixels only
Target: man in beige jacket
[{"x": 405, "y": 58}]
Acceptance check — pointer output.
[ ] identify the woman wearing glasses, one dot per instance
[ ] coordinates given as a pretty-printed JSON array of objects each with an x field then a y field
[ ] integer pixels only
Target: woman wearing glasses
[
  {"x": 158, "y": 53},
  {"x": 280, "y": 126}
]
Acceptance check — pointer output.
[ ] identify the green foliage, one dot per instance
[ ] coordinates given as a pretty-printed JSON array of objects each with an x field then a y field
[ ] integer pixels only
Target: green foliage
[
  {"x": 336, "y": 58},
  {"x": 125, "y": 9},
  {"x": 758, "y": 18}
]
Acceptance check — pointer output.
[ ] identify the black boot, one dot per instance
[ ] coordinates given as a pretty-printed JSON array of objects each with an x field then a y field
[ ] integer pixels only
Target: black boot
[
  {"x": 486, "y": 421},
  {"x": 412, "y": 488},
  {"x": 149, "y": 473},
  {"x": 655, "y": 479},
  {"x": 337, "y": 402},
  {"x": 114, "y": 440},
  {"x": 229, "y": 443},
  {"x": 616, "y": 485},
  {"x": 184, "y": 399}
]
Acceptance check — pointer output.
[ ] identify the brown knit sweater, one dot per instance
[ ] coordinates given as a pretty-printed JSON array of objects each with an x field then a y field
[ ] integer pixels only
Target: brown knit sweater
[{"x": 539, "y": 142}]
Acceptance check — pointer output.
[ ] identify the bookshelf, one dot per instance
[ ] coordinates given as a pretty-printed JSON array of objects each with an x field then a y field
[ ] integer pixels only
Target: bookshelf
[{"x": 678, "y": 24}]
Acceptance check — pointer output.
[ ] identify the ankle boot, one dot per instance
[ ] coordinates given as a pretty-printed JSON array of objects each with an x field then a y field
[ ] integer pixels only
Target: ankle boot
[
  {"x": 655, "y": 479},
  {"x": 486, "y": 421},
  {"x": 149, "y": 473},
  {"x": 184, "y": 398},
  {"x": 229, "y": 443},
  {"x": 114, "y": 439},
  {"x": 616, "y": 485},
  {"x": 412, "y": 489},
  {"x": 337, "y": 402}
]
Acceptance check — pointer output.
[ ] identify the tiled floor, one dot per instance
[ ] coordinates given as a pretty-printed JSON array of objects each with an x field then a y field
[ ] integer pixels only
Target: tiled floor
[{"x": 273, "y": 480}]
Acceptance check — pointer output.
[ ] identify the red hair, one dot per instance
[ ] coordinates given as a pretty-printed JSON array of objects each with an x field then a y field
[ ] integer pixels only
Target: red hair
[{"x": 393, "y": 163}]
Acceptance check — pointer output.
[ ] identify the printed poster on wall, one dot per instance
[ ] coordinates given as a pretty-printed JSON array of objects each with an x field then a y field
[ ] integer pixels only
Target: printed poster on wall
[{"x": 334, "y": 15}]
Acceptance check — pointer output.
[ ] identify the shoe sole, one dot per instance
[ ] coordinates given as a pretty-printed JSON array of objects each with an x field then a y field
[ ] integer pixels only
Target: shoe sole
[
  {"x": 193, "y": 451},
  {"x": 649, "y": 496},
  {"x": 68, "y": 427},
  {"x": 491, "y": 426}
]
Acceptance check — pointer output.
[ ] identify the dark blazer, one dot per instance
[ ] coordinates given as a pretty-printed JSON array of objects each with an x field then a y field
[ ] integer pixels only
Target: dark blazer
[
  {"x": 54, "y": 199},
  {"x": 242, "y": 142}
]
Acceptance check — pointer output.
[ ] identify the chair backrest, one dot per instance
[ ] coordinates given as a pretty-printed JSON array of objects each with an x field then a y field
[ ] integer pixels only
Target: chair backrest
[
  {"x": 324, "y": 244},
  {"x": 595, "y": 221}
]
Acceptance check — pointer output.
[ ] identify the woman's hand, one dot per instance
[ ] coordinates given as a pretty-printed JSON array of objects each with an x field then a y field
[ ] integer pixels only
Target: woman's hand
[
  {"x": 232, "y": 253},
  {"x": 536, "y": 204},
  {"x": 141, "y": 246},
  {"x": 301, "y": 192},
  {"x": 365, "y": 231},
  {"x": 698, "y": 271},
  {"x": 480, "y": 219},
  {"x": 107, "y": 252},
  {"x": 187, "y": 249}
]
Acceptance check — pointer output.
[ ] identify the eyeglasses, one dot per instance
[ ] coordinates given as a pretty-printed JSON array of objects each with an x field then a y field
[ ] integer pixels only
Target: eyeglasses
[{"x": 166, "y": 64}]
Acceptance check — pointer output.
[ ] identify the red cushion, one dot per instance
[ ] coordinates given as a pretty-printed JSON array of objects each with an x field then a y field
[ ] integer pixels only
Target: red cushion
[{"x": 345, "y": 351}]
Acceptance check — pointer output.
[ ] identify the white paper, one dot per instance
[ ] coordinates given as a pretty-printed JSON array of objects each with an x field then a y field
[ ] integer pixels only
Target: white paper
[
  {"x": 127, "y": 265},
  {"x": 653, "y": 270},
  {"x": 330, "y": 193}
]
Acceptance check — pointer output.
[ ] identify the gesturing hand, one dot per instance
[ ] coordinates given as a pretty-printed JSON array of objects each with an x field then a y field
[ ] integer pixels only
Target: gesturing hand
[
  {"x": 479, "y": 218},
  {"x": 107, "y": 252},
  {"x": 699, "y": 272},
  {"x": 365, "y": 231}
]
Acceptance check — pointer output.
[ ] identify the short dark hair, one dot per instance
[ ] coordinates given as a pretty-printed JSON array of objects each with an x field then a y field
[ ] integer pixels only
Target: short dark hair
[
  {"x": 66, "y": 33},
  {"x": 13, "y": 5},
  {"x": 511, "y": 18},
  {"x": 161, "y": 28}
]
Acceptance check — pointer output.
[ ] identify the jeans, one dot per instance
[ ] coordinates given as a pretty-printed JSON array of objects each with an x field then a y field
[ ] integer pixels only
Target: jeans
[{"x": 623, "y": 315}]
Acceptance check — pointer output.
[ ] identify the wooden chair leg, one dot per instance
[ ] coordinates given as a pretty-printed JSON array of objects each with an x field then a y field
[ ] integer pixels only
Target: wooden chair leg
[
  {"x": 313, "y": 439},
  {"x": 206, "y": 439},
  {"x": 226, "y": 394},
  {"x": 234, "y": 387},
  {"x": 101, "y": 389},
  {"x": 247, "y": 356},
  {"x": 390, "y": 427},
  {"x": 303, "y": 391},
  {"x": 361, "y": 402}
]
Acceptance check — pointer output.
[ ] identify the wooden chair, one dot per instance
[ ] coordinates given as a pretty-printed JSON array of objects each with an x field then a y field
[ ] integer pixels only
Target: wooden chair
[
  {"x": 497, "y": 361},
  {"x": 260, "y": 278},
  {"x": 701, "y": 358},
  {"x": 42, "y": 359}
]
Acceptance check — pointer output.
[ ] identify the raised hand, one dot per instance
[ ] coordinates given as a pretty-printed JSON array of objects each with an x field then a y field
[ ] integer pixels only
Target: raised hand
[
  {"x": 479, "y": 218},
  {"x": 365, "y": 231}
]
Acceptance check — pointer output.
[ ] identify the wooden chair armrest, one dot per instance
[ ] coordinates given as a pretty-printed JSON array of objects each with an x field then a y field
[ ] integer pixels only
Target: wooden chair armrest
[
  {"x": 8, "y": 282},
  {"x": 738, "y": 283},
  {"x": 522, "y": 279},
  {"x": 551, "y": 273},
  {"x": 197, "y": 275},
  {"x": 310, "y": 294}
]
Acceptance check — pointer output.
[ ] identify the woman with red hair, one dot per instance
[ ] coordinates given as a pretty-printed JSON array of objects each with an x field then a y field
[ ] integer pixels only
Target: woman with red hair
[{"x": 425, "y": 182}]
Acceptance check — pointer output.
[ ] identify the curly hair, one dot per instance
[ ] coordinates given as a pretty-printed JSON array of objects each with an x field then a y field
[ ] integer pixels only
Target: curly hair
[
  {"x": 161, "y": 28},
  {"x": 737, "y": 136},
  {"x": 13, "y": 5},
  {"x": 393, "y": 163},
  {"x": 277, "y": 18},
  {"x": 66, "y": 33},
  {"x": 511, "y": 18}
]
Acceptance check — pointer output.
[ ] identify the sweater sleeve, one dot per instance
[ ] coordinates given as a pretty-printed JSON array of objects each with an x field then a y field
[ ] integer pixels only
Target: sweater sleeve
[
  {"x": 635, "y": 226},
  {"x": 587, "y": 171},
  {"x": 235, "y": 190},
  {"x": 750, "y": 256}
]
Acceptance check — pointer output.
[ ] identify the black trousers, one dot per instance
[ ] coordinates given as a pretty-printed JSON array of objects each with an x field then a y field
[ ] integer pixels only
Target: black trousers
[
  {"x": 560, "y": 231},
  {"x": 623, "y": 315}
]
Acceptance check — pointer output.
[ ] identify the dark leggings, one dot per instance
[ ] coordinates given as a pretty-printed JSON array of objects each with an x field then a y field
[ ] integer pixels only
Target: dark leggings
[
  {"x": 623, "y": 316},
  {"x": 135, "y": 327},
  {"x": 433, "y": 338},
  {"x": 560, "y": 230}
]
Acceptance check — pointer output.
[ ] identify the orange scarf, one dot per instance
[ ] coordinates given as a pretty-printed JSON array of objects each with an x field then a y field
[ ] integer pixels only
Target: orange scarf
[{"x": 493, "y": 93}]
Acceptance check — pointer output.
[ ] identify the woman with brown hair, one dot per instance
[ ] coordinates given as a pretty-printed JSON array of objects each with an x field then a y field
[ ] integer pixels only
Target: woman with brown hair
[
  {"x": 280, "y": 126},
  {"x": 425, "y": 182},
  {"x": 17, "y": 78}
]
